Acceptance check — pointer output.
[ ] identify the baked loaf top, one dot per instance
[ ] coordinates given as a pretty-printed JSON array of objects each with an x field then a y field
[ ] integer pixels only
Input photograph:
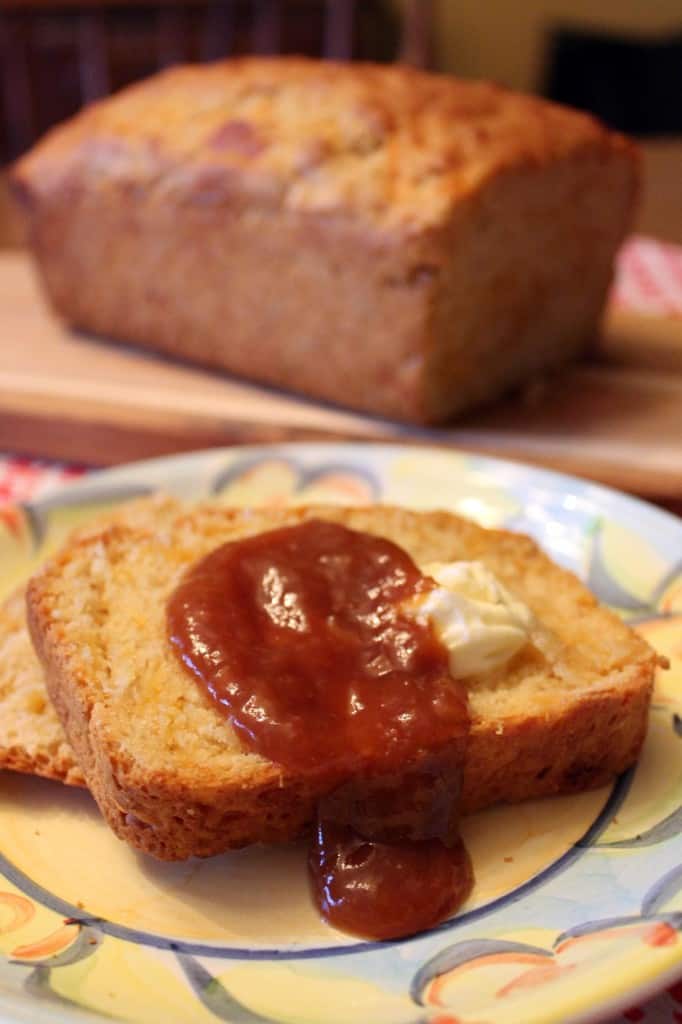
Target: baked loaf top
[
  {"x": 168, "y": 770},
  {"x": 392, "y": 145}
]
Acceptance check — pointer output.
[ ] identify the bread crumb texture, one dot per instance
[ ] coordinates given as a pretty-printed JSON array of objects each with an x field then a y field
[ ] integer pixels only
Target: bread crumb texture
[{"x": 31, "y": 736}]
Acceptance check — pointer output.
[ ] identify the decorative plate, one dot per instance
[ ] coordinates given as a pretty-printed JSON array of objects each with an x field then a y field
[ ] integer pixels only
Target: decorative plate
[{"x": 577, "y": 909}]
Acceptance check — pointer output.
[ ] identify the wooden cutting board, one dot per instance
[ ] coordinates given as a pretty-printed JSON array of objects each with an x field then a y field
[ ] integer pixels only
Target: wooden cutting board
[{"x": 617, "y": 419}]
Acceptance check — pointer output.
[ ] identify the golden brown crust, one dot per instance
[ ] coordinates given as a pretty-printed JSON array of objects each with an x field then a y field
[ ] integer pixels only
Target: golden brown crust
[
  {"x": 583, "y": 746},
  {"x": 58, "y": 766},
  {"x": 394, "y": 145},
  {"x": 442, "y": 239},
  {"x": 564, "y": 716}
]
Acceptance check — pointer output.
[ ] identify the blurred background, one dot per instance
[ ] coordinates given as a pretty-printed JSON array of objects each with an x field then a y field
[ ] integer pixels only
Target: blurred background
[{"x": 622, "y": 61}]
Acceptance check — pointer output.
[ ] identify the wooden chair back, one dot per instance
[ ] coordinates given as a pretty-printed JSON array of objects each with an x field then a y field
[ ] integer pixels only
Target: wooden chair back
[{"x": 174, "y": 31}]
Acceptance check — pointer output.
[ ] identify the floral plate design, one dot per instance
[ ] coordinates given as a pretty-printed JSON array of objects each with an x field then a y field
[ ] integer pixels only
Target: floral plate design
[{"x": 577, "y": 909}]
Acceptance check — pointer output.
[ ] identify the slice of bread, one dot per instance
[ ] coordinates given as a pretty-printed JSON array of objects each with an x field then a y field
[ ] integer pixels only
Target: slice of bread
[
  {"x": 569, "y": 712},
  {"x": 31, "y": 736}
]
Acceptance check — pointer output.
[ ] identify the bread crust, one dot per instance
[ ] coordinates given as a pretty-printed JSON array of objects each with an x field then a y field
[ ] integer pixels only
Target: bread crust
[
  {"x": 424, "y": 243},
  {"x": 580, "y": 723}
]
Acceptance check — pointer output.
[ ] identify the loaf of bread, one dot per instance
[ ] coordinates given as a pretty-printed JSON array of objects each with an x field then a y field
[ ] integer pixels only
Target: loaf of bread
[
  {"x": 398, "y": 242},
  {"x": 31, "y": 736},
  {"x": 166, "y": 768}
]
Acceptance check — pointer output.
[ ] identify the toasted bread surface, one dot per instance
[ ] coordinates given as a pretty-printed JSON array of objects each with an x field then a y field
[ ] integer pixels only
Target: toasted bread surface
[{"x": 569, "y": 712}]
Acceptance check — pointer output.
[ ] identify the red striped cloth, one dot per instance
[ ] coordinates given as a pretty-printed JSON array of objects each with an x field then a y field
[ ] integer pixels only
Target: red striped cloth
[
  {"x": 649, "y": 278},
  {"x": 22, "y": 479}
]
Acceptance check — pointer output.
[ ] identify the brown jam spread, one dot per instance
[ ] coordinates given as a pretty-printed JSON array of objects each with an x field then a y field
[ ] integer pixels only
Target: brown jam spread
[
  {"x": 299, "y": 637},
  {"x": 386, "y": 890}
]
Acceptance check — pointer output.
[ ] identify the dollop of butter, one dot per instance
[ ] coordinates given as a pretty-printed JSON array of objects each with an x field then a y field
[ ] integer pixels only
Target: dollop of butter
[{"x": 475, "y": 617}]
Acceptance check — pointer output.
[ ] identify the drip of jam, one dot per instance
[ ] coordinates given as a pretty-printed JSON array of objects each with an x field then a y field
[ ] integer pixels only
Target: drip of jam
[
  {"x": 385, "y": 890},
  {"x": 300, "y": 637}
]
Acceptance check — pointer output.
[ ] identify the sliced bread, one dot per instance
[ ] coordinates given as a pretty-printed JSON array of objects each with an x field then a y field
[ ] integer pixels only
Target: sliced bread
[
  {"x": 569, "y": 712},
  {"x": 31, "y": 736}
]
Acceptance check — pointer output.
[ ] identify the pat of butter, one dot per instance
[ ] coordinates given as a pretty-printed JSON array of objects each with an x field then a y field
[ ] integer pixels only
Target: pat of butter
[{"x": 475, "y": 617}]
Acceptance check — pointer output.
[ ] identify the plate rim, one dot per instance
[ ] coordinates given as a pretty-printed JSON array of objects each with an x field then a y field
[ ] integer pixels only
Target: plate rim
[{"x": 557, "y": 477}]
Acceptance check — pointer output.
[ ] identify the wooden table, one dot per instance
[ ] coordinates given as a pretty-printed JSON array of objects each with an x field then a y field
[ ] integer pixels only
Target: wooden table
[{"x": 616, "y": 419}]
